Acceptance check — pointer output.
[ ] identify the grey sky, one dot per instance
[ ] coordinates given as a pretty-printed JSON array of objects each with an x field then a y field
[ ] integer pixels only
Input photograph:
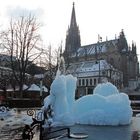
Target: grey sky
[{"x": 104, "y": 17}]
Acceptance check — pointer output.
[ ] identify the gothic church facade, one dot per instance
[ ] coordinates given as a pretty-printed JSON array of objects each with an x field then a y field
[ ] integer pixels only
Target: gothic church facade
[{"x": 116, "y": 53}]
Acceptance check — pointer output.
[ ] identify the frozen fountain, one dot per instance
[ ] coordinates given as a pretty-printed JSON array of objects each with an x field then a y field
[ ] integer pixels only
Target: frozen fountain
[
  {"x": 106, "y": 106},
  {"x": 61, "y": 66}
]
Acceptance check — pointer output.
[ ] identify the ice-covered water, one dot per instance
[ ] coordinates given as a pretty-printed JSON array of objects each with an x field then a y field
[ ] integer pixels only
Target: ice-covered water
[{"x": 106, "y": 106}]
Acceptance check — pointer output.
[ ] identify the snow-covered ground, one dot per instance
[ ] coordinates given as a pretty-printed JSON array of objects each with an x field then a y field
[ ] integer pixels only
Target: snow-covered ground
[{"x": 12, "y": 123}]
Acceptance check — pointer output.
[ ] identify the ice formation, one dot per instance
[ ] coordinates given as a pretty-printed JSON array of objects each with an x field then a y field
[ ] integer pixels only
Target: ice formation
[{"x": 106, "y": 106}]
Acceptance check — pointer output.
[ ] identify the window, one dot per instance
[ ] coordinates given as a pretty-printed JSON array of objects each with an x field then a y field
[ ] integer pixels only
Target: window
[
  {"x": 86, "y": 82},
  {"x": 104, "y": 72},
  {"x": 90, "y": 82},
  {"x": 79, "y": 82},
  {"x": 83, "y": 82},
  {"x": 95, "y": 81},
  {"x": 111, "y": 61}
]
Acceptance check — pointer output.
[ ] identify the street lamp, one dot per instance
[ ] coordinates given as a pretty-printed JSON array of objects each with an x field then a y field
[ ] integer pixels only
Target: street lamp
[
  {"x": 99, "y": 72},
  {"x": 99, "y": 51},
  {"x": 41, "y": 81}
]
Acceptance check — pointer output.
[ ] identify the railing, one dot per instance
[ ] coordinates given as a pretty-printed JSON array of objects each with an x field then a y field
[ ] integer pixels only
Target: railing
[
  {"x": 135, "y": 104},
  {"x": 39, "y": 120}
]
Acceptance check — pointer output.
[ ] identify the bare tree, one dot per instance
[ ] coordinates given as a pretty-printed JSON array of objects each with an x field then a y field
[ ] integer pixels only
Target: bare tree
[
  {"x": 21, "y": 41},
  {"x": 48, "y": 61}
]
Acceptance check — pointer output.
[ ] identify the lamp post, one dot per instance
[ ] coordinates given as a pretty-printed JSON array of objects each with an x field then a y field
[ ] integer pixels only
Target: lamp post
[
  {"x": 99, "y": 72},
  {"x": 41, "y": 87},
  {"x": 99, "y": 51}
]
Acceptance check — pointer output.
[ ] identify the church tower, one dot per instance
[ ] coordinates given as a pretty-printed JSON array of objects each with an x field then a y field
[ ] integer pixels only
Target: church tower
[
  {"x": 73, "y": 41},
  {"x": 122, "y": 43}
]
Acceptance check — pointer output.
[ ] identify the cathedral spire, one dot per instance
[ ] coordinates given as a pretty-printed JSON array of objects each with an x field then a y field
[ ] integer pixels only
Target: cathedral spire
[
  {"x": 122, "y": 42},
  {"x": 73, "y": 17},
  {"x": 133, "y": 48},
  {"x": 73, "y": 41}
]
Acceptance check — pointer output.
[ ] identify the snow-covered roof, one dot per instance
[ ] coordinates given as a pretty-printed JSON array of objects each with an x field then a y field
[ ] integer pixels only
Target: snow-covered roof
[
  {"x": 95, "y": 48},
  {"x": 88, "y": 68},
  {"x": 4, "y": 57},
  {"x": 34, "y": 87},
  {"x": 25, "y": 87},
  {"x": 124, "y": 50},
  {"x": 39, "y": 76},
  {"x": 44, "y": 89},
  {"x": 5, "y": 68},
  {"x": 17, "y": 88}
]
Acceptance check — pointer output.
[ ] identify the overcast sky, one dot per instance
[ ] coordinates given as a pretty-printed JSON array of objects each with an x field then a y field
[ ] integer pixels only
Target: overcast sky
[{"x": 104, "y": 17}]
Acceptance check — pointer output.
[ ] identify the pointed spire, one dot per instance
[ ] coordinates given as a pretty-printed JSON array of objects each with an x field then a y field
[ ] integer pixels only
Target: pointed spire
[
  {"x": 133, "y": 43},
  {"x": 73, "y": 41},
  {"x": 129, "y": 48},
  {"x": 133, "y": 47},
  {"x": 73, "y": 4},
  {"x": 122, "y": 33},
  {"x": 122, "y": 41},
  {"x": 73, "y": 17},
  {"x": 115, "y": 36},
  {"x": 99, "y": 38}
]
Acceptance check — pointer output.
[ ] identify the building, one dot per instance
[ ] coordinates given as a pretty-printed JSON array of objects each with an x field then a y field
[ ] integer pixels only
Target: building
[
  {"x": 88, "y": 75},
  {"x": 121, "y": 59},
  {"x": 5, "y": 60}
]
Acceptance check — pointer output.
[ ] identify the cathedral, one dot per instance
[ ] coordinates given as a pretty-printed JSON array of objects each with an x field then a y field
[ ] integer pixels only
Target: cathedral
[{"x": 111, "y": 60}]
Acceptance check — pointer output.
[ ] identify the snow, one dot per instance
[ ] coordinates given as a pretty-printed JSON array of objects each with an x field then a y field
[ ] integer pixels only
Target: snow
[
  {"x": 106, "y": 106},
  {"x": 21, "y": 118},
  {"x": 89, "y": 68},
  {"x": 12, "y": 117},
  {"x": 44, "y": 89},
  {"x": 25, "y": 87},
  {"x": 4, "y": 112},
  {"x": 39, "y": 76},
  {"x": 17, "y": 89},
  {"x": 12, "y": 123},
  {"x": 34, "y": 87},
  {"x": 5, "y": 68},
  {"x": 138, "y": 115}
]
